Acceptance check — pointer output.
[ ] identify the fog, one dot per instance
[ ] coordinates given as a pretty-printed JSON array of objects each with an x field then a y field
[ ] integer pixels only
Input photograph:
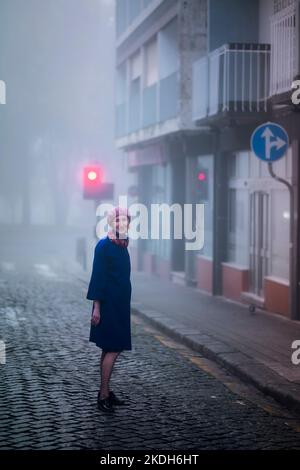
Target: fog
[
  {"x": 57, "y": 62},
  {"x": 189, "y": 111}
]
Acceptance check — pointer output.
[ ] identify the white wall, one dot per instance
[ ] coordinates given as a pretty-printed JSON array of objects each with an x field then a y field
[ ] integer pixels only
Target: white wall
[{"x": 252, "y": 171}]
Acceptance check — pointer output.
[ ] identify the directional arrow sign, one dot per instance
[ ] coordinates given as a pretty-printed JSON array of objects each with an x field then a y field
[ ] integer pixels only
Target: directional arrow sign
[{"x": 269, "y": 142}]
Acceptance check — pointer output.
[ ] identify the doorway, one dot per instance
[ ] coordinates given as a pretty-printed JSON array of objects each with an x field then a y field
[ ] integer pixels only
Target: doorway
[{"x": 259, "y": 252}]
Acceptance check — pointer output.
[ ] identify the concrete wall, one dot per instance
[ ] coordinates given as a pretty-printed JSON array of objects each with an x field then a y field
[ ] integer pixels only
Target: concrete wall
[{"x": 192, "y": 27}]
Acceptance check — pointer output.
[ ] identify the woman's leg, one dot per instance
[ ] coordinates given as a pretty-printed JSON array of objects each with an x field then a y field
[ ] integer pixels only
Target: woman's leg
[
  {"x": 107, "y": 363},
  {"x": 103, "y": 354},
  {"x": 101, "y": 360}
]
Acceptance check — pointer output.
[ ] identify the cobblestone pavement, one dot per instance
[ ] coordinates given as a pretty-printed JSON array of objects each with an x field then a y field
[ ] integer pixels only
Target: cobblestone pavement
[{"x": 176, "y": 398}]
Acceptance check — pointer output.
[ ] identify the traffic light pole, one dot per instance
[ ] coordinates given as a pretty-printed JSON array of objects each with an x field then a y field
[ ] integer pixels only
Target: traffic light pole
[
  {"x": 96, "y": 202},
  {"x": 293, "y": 260}
]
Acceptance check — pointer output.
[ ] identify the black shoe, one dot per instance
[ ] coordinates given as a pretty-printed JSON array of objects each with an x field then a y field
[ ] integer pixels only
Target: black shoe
[
  {"x": 115, "y": 400},
  {"x": 105, "y": 404}
]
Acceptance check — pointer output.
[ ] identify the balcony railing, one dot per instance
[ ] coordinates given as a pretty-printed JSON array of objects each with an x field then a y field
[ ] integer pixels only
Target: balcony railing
[
  {"x": 284, "y": 49},
  {"x": 233, "y": 78}
]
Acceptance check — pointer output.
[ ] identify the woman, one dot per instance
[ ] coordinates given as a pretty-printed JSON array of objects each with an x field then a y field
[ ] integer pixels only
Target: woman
[{"x": 110, "y": 290}]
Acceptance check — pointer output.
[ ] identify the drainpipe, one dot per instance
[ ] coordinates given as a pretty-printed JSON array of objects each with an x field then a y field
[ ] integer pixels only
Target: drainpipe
[
  {"x": 219, "y": 200},
  {"x": 293, "y": 290}
]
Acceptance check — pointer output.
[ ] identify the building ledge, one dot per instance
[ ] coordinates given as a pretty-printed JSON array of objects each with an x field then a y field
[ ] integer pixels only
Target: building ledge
[
  {"x": 277, "y": 279},
  {"x": 235, "y": 266},
  {"x": 229, "y": 118},
  {"x": 155, "y": 132}
]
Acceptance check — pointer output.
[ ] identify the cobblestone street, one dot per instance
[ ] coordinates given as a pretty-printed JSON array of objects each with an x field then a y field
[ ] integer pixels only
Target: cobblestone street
[{"x": 176, "y": 398}]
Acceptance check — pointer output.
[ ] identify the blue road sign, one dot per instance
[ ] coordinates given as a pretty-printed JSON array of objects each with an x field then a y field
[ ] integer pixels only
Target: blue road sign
[{"x": 269, "y": 142}]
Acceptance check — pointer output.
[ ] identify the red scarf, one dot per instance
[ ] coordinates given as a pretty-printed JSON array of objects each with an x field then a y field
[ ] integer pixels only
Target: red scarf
[{"x": 118, "y": 241}]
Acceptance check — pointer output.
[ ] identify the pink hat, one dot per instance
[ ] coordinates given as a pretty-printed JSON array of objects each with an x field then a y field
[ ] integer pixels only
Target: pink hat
[{"x": 116, "y": 212}]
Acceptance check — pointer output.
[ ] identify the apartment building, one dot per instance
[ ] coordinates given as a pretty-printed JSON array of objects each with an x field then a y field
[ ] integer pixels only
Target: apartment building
[
  {"x": 157, "y": 43},
  {"x": 194, "y": 79}
]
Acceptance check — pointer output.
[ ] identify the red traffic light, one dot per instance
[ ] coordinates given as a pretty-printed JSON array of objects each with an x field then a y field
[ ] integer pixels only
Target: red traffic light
[
  {"x": 92, "y": 175},
  {"x": 92, "y": 180},
  {"x": 93, "y": 185},
  {"x": 202, "y": 190},
  {"x": 201, "y": 176}
]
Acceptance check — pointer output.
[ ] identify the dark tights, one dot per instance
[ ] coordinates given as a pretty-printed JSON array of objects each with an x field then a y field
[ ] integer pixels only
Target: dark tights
[{"x": 106, "y": 366}]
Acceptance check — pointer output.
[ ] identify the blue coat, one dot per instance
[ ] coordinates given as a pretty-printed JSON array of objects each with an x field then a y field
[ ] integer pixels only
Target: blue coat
[{"x": 110, "y": 283}]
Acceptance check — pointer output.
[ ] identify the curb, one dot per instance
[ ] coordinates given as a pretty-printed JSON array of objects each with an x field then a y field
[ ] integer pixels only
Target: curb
[{"x": 236, "y": 362}]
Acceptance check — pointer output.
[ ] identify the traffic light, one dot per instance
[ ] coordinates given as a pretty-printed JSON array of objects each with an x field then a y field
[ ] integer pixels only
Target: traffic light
[
  {"x": 93, "y": 185},
  {"x": 92, "y": 180},
  {"x": 202, "y": 185}
]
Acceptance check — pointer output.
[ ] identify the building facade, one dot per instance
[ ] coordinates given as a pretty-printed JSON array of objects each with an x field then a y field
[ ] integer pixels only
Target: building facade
[{"x": 190, "y": 90}]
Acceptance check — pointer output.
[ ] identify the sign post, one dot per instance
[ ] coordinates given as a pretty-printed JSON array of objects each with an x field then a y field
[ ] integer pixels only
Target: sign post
[{"x": 269, "y": 143}]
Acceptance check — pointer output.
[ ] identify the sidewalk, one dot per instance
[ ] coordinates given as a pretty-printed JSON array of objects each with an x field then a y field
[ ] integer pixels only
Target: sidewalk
[{"x": 255, "y": 347}]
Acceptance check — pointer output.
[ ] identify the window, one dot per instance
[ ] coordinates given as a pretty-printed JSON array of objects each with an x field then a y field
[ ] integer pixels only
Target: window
[
  {"x": 134, "y": 92},
  {"x": 121, "y": 84},
  {"x": 238, "y": 207},
  {"x": 135, "y": 66},
  {"x": 151, "y": 63},
  {"x": 168, "y": 49},
  {"x": 135, "y": 73}
]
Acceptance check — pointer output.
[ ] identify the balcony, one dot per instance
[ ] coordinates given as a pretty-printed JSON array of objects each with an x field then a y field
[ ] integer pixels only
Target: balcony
[
  {"x": 232, "y": 82},
  {"x": 284, "y": 52}
]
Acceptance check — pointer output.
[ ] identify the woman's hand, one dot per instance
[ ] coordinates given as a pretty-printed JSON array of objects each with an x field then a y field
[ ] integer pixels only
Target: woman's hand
[{"x": 96, "y": 317}]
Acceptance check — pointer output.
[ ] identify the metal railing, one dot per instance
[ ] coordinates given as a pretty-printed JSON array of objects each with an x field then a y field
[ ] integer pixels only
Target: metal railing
[
  {"x": 284, "y": 49},
  {"x": 234, "y": 77}
]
